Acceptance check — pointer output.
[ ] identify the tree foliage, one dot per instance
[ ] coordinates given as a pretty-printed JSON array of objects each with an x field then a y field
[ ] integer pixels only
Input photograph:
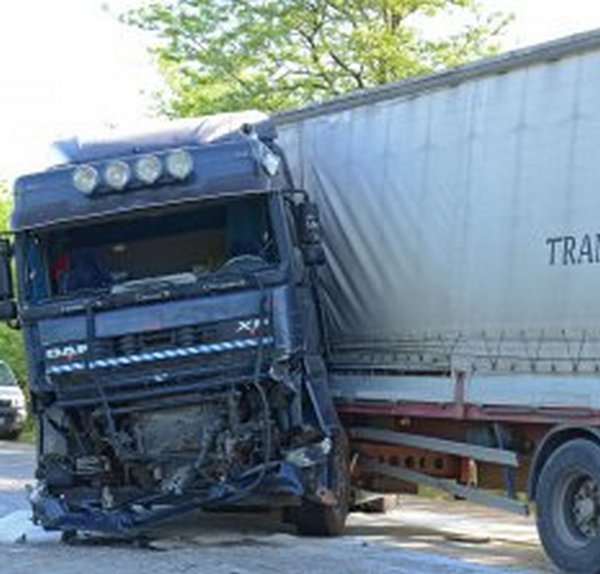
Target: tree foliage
[
  {"x": 11, "y": 342},
  {"x": 271, "y": 54}
]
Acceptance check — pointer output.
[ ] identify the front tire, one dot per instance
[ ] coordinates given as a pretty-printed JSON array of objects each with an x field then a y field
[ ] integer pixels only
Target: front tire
[
  {"x": 568, "y": 507},
  {"x": 314, "y": 519}
]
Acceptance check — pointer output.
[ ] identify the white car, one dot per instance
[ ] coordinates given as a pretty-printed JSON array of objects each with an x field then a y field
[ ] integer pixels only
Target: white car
[{"x": 13, "y": 410}]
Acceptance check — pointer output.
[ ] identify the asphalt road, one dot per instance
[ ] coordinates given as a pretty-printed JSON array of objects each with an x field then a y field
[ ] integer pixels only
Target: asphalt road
[
  {"x": 422, "y": 536},
  {"x": 16, "y": 469}
]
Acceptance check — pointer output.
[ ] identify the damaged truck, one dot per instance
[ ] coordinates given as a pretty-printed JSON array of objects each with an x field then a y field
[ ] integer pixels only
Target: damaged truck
[
  {"x": 185, "y": 337},
  {"x": 174, "y": 343}
]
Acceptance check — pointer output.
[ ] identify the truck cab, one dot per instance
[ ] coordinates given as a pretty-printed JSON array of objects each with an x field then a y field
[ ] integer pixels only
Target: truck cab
[{"x": 165, "y": 290}]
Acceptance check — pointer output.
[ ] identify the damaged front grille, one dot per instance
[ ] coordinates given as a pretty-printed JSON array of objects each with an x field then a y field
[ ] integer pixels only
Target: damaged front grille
[
  {"x": 131, "y": 344},
  {"x": 169, "y": 364},
  {"x": 159, "y": 346}
]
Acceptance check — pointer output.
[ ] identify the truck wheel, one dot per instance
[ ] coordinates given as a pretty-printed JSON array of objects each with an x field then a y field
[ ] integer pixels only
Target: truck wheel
[
  {"x": 568, "y": 507},
  {"x": 314, "y": 519}
]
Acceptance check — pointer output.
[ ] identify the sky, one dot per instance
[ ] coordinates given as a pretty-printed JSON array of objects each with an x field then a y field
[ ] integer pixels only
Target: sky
[
  {"x": 69, "y": 67},
  {"x": 66, "y": 67}
]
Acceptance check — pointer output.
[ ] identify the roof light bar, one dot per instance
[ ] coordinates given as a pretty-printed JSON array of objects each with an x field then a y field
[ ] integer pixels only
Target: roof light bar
[{"x": 146, "y": 169}]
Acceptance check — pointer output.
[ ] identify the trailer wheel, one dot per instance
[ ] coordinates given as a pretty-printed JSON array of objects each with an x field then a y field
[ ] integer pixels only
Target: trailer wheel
[
  {"x": 568, "y": 507},
  {"x": 314, "y": 519}
]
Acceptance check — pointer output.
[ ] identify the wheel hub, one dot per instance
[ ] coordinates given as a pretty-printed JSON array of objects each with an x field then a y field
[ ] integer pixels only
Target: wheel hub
[{"x": 586, "y": 508}]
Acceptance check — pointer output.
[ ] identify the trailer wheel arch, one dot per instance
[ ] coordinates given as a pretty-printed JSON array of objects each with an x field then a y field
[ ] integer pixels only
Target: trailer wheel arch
[{"x": 557, "y": 437}]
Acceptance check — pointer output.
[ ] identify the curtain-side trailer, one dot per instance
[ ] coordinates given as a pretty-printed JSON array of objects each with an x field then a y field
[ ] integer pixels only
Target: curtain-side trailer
[{"x": 461, "y": 222}]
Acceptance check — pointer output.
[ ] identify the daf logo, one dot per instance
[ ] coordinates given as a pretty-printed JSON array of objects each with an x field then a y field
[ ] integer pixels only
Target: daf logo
[{"x": 67, "y": 352}]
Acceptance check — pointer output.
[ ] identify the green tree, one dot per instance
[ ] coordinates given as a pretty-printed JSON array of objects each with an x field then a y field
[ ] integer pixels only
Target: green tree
[
  {"x": 11, "y": 342},
  {"x": 220, "y": 55}
]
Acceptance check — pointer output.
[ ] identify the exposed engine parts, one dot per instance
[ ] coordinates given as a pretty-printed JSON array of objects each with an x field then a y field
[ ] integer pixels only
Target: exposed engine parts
[
  {"x": 170, "y": 447},
  {"x": 212, "y": 444},
  {"x": 195, "y": 446}
]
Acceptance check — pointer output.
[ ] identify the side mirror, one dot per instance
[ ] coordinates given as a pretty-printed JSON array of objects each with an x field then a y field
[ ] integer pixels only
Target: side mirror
[
  {"x": 309, "y": 227},
  {"x": 8, "y": 308}
]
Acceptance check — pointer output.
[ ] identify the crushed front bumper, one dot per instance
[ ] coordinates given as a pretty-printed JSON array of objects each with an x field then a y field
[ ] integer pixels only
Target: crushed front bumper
[{"x": 278, "y": 484}]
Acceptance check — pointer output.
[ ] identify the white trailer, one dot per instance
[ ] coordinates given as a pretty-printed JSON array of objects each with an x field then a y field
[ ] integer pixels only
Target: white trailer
[{"x": 461, "y": 221}]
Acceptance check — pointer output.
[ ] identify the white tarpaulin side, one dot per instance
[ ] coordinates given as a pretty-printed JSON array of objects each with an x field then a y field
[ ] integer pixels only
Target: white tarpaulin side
[{"x": 466, "y": 218}]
